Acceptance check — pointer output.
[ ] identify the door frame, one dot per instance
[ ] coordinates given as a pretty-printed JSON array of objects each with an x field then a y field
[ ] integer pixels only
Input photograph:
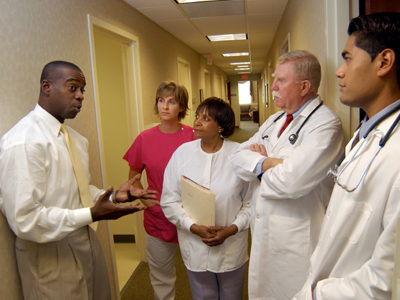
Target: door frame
[{"x": 134, "y": 118}]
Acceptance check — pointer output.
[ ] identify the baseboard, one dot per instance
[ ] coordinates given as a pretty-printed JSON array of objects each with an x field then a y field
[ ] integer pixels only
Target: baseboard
[{"x": 124, "y": 238}]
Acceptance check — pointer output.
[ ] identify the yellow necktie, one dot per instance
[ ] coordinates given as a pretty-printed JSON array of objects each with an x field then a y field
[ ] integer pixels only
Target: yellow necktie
[{"x": 80, "y": 174}]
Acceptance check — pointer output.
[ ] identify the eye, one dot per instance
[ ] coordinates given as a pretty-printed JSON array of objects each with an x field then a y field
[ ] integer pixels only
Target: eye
[
  {"x": 172, "y": 102},
  {"x": 72, "y": 88},
  {"x": 206, "y": 119},
  {"x": 196, "y": 116},
  {"x": 160, "y": 100},
  {"x": 82, "y": 91}
]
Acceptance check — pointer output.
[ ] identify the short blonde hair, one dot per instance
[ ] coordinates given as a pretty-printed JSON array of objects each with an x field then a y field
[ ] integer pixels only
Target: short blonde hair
[
  {"x": 305, "y": 66},
  {"x": 179, "y": 92}
]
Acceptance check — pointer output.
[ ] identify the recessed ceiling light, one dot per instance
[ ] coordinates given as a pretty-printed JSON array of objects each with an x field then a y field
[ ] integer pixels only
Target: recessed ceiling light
[
  {"x": 194, "y": 1},
  {"x": 241, "y": 66},
  {"x": 241, "y": 69},
  {"x": 235, "y": 54},
  {"x": 239, "y": 63},
  {"x": 227, "y": 37},
  {"x": 244, "y": 72}
]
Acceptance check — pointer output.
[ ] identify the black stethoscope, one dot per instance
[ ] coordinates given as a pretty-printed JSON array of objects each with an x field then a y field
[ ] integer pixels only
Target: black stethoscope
[
  {"x": 294, "y": 136},
  {"x": 334, "y": 172}
]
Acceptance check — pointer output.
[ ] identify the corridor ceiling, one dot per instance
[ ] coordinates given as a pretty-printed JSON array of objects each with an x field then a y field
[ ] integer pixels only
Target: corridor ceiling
[{"x": 192, "y": 22}]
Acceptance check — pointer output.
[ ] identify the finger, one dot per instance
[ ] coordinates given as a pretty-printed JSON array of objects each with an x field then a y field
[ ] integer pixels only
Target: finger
[{"x": 107, "y": 194}]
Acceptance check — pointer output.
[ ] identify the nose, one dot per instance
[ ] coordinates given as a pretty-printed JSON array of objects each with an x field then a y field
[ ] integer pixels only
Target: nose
[
  {"x": 274, "y": 87},
  {"x": 340, "y": 72},
  {"x": 79, "y": 95},
  {"x": 196, "y": 122}
]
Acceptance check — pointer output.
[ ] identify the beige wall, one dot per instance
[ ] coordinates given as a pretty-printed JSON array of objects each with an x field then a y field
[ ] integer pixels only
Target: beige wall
[
  {"x": 318, "y": 26},
  {"x": 305, "y": 21}
]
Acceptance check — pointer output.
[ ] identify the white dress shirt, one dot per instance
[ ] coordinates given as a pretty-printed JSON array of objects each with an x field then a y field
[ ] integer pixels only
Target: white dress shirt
[
  {"x": 38, "y": 190},
  {"x": 232, "y": 206}
]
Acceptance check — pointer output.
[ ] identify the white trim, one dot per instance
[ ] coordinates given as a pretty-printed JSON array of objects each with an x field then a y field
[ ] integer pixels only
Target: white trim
[{"x": 189, "y": 119}]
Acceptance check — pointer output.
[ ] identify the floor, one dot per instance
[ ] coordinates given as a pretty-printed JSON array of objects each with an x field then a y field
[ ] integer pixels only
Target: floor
[{"x": 127, "y": 259}]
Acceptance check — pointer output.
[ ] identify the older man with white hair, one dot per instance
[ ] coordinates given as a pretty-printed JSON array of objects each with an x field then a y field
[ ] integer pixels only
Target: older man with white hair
[{"x": 290, "y": 155}]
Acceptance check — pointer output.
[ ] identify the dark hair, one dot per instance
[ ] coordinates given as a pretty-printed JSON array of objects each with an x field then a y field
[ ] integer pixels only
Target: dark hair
[
  {"x": 377, "y": 32},
  {"x": 221, "y": 112},
  {"x": 180, "y": 93},
  {"x": 52, "y": 70}
]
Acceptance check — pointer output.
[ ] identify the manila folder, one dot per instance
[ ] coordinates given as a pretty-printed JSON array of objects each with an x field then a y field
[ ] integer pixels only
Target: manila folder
[{"x": 198, "y": 201}]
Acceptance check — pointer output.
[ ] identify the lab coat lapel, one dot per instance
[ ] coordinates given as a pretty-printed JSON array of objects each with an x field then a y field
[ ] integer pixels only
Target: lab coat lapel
[{"x": 283, "y": 140}]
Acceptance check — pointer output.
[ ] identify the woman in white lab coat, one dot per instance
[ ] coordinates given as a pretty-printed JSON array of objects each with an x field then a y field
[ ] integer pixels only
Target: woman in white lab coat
[{"x": 214, "y": 256}]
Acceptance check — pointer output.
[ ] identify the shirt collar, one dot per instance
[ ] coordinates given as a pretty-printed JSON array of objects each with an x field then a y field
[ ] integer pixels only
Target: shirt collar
[
  {"x": 298, "y": 112},
  {"x": 367, "y": 123},
  {"x": 51, "y": 122}
]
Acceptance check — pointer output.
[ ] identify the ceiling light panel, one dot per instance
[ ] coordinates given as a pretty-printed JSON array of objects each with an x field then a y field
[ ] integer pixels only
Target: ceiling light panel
[
  {"x": 227, "y": 37},
  {"x": 235, "y": 54},
  {"x": 194, "y": 1},
  {"x": 239, "y": 63}
]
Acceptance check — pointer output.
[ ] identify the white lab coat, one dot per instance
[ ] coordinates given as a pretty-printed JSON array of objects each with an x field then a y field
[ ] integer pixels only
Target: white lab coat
[
  {"x": 232, "y": 206},
  {"x": 291, "y": 199},
  {"x": 354, "y": 258}
]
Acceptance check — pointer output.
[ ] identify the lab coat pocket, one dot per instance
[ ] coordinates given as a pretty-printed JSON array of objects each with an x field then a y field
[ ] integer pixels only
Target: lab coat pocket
[
  {"x": 289, "y": 236},
  {"x": 353, "y": 227}
]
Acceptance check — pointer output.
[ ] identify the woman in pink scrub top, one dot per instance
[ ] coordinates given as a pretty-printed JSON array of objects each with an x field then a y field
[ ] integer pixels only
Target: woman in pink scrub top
[{"x": 151, "y": 151}]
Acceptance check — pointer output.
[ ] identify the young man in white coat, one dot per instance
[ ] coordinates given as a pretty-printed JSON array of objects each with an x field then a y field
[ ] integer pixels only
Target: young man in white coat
[
  {"x": 354, "y": 258},
  {"x": 292, "y": 193}
]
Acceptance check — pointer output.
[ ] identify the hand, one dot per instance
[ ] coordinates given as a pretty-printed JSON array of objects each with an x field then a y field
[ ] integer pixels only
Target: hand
[
  {"x": 221, "y": 234},
  {"x": 104, "y": 209},
  {"x": 128, "y": 192},
  {"x": 202, "y": 231},
  {"x": 271, "y": 162},
  {"x": 259, "y": 149}
]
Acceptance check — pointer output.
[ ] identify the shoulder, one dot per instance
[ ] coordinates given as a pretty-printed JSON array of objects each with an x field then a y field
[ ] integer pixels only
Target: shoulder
[
  {"x": 188, "y": 147},
  {"x": 230, "y": 146},
  {"x": 28, "y": 129},
  {"x": 150, "y": 132}
]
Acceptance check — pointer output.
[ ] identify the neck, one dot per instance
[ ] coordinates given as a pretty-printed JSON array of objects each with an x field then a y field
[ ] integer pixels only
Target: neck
[
  {"x": 213, "y": 145},
  {"x": 169, "y": 127},
  {"x": 384, "y": 99}
]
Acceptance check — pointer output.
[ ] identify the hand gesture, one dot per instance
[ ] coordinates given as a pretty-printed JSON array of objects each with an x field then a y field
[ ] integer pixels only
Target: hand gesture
[
  {"x": 259, "y": 148},
  {"x": 128, "y": 192},
  {"x": 221, "y": 234},
  {"x": 104, "y": 209}
]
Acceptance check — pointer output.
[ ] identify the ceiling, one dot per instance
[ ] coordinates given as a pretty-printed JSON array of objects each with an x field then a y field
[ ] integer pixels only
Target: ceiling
[{"x": 191, "y": 22}]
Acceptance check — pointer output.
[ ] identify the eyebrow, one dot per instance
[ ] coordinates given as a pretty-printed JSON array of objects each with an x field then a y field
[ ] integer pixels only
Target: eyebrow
[
  {"x": 344, "y": 53},
  {"x": 75, "y": 80}
]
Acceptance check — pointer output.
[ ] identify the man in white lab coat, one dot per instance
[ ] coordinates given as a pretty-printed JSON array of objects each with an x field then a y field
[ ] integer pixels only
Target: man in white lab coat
[
  {"x": 354, "y": 258},
  {"x": 291, "y": 159}
]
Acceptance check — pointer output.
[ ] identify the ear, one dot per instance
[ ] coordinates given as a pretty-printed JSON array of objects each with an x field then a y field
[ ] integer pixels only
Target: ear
[
  {"x": 386, "y": 61},
  {"x": 45, "y": 87},
  {"x": 305, "y": 87}
]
